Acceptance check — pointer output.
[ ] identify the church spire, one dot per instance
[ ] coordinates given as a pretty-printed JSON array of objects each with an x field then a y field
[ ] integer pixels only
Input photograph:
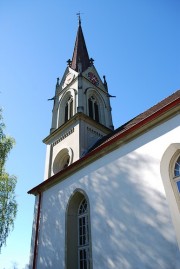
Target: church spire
[{"x": 80, "y": 54}]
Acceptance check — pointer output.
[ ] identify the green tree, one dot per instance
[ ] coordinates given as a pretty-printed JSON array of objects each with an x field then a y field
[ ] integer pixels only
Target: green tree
[{"x": 8, "y": 204}]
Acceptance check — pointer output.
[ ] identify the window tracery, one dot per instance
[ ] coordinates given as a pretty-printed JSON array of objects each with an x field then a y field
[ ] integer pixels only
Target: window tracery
[
  {"x": 177, "y": 174},
  {"x": 83, "y": 236}
]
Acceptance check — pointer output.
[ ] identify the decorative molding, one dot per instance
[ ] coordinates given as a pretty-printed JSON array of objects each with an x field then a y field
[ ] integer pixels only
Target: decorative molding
[
  {"x": 63, "y": 137},
  {"x": 94, "y": 132}
]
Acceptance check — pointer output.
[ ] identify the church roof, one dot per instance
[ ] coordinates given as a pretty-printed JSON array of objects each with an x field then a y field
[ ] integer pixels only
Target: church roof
[
  {"x": 140, "y": 119},
  {"x": 80, "y": 53},
  {"x": 126, "y": 132}
]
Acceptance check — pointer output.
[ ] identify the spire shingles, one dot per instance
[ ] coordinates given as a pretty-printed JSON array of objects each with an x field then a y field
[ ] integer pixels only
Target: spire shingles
[{"x": 80, "y": 54}]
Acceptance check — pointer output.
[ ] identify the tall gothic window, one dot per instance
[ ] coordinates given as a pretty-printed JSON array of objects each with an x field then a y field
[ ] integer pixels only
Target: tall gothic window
[
  {"x": 78, "y": 233},
  {"x": 177, "y": 174},
  {"x": 83, "y": 236},
  {"x": 68, "y": 109},
  {"x": 93, "y": 108}
]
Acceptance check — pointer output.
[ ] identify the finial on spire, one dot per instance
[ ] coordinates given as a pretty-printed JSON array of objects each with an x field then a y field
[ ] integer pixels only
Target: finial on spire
[
  {"x": 79, "y": 17},
  {"x": 57, "y": 83},
  {"x": 91, "y": 61},
  {"x": 105, "y": 82},
  {"x": 69, "y": 62}
]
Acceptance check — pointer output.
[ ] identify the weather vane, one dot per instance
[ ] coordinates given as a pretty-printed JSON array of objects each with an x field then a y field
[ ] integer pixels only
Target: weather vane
[{"x": 79, "y": 17}]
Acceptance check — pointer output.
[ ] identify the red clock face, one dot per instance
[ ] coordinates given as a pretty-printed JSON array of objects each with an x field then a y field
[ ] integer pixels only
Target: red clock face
[{"x": 93, "y": 78}]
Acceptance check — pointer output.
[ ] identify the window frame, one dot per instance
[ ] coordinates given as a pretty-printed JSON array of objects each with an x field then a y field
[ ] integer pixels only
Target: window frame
[
  {"x": 176, "y": 178},
  {"x": 83, "y": 237},
  {"x": 72, "y": 231},
  {"x": 173, "y": 178},
  {"x": 68, "y": 109},
  {"x": 62, "y": 160}
]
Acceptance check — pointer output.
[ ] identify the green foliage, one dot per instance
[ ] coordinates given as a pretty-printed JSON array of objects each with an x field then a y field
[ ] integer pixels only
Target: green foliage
[{"x": 8, "y": 205}]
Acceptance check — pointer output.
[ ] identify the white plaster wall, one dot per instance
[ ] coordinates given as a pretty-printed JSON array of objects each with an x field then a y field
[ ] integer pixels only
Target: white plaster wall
[
  {"x": 47, "y": 160},
  {"x": 71, "y": 141},
  {"x": 89, "y": 135},
  {"x": 172, "y": 195},
  {"x": 131, "y": 227}
]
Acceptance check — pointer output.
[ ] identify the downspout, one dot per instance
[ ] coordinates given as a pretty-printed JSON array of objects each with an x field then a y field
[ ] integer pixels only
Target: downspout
[{"x": 37, "y": 233}]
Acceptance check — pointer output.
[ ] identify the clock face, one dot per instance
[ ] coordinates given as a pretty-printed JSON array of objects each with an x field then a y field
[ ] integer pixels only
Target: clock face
[{"x": 93, "y": 78}]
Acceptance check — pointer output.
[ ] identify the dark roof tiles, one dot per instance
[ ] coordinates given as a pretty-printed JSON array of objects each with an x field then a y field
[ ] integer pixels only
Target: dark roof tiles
[
  {"x": 138, "y": 119},
  {"x": 80, "y": 54}
]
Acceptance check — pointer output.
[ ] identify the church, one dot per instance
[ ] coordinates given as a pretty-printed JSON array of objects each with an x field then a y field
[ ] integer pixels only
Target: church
[{"x": 110, "y": 198}]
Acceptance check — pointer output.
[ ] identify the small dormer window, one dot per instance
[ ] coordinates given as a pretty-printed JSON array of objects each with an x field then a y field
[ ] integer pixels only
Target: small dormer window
[
  {"x": 177, "y": 173},
  {"x": 68, "y": 109},
  {"x": 93, "y": 108}
]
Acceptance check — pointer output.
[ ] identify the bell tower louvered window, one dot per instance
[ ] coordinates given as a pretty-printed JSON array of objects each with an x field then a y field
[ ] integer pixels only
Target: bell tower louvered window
[
  {"x": 93, "y": 108},
  {"x": 68, "y": 109}
]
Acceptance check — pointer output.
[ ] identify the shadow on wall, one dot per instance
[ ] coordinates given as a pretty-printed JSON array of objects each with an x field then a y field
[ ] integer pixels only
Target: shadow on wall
[
  {"x": 131, "y": 216},
  {"x": 130, "y": 221}
]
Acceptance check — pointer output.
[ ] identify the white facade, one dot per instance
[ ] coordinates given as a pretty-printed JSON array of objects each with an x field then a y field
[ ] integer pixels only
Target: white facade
[{"x": 130, "y": 219}]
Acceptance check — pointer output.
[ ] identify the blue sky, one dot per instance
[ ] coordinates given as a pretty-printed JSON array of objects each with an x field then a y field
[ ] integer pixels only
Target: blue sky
[{"x": 135, "y": 43}]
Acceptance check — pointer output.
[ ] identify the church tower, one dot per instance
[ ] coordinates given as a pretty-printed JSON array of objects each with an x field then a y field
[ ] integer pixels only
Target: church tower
[
  {"x": 117, "y": 203},
  {"x": 81, "y": 113}
]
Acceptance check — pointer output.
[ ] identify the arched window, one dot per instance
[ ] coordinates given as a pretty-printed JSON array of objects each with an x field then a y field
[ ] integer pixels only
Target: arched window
[
  {"x": 93, "y": 108},
  {"x": 83, "y": 236},
  {"x": 62, "y": 160},
  {"x": 78, "y": 233},
  {"x": 174, "y": 167},
  {"x": 68, "y": 109},
  {"x": 176, "y": 177}
]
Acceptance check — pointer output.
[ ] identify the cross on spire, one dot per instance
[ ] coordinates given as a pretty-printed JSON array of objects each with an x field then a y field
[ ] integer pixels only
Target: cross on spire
[
  {"x": 79, "y": 17},
  {"x": 80, "y": 54}
]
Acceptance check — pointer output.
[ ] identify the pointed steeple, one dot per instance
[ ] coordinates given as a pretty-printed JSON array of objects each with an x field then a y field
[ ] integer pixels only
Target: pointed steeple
[{"x": 80, "y": 54}]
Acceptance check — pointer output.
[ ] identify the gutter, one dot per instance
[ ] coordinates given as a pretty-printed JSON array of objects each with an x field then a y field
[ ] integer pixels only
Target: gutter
[{"x": 37, "y": 233}]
